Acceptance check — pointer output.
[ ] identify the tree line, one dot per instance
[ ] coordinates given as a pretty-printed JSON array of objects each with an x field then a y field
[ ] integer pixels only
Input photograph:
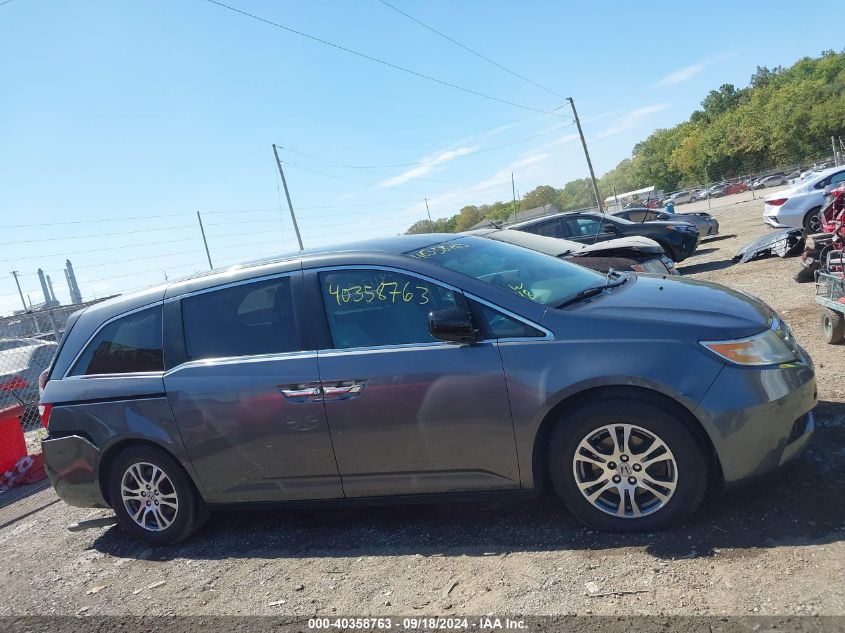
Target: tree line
[{"x": 784, "y": 117}]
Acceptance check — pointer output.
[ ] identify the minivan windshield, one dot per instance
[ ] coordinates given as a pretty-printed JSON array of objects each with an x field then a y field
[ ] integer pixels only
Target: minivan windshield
[{"x": 535, "y": 276}]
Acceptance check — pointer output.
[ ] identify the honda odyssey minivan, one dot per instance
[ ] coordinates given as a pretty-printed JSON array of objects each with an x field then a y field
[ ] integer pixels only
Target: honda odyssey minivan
[{"x": 420, "y": 367}]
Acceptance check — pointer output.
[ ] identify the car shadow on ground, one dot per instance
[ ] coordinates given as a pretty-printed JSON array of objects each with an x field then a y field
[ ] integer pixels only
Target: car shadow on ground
[
  {"x": 704, "y": 267},
  {"x": 14, "y": 495},
  {"x": 704, "y": 251},
  {"x": 795, "y": 506},
  {"x": 717, "y": 238}
]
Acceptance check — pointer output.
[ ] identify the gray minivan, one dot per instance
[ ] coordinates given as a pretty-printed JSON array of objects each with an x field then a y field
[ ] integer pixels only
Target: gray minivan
[{"x": 416, "y": 367}]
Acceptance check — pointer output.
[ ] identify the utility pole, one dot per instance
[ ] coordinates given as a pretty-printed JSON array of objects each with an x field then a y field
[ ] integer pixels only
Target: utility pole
[
  {"x": 20, "y": 292},
  {"x": 513, "y": 190},
  {"x": 427, "y": 210},
  {"x": 287, "y": 195},
  {"x": 205, "y": 242},
  {"x": 586, "y": 153}
]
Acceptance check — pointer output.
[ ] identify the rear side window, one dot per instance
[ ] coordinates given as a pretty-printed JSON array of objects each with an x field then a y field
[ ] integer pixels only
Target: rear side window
[
  {"x": 127, "y": 345},
  {"x": 553, "y": 228},
  {"x": 243, "y": 320}
]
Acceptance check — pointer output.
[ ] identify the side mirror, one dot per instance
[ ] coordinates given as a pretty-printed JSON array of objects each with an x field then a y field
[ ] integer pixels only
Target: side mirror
[
  {"x": 608, "y": 228},
  {"x": 453, "y": 325}
]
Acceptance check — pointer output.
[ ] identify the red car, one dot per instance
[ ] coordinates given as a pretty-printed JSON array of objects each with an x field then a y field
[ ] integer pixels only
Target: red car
[{"x": 736, "y": 187}]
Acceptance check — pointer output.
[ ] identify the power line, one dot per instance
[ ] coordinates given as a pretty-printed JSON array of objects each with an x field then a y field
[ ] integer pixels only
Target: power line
[
  {"x": 360, "y": 204},
  {"x": 114, "y": 248},
  {"x": 360, "y": 182},
  {"x": 98, "y": 220},
  {"x": 427, "y": 162},
  {"x": 474, "y": 52},
  {"x": 82, "y": 237},
  {"x": 381, "y": 61}
]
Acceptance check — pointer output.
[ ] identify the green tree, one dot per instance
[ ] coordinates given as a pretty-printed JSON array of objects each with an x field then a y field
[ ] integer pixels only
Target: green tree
[
  {"x": 467, "y": 217},
  {"x": 539, "y": 196},
  {"x": 785, "y": 116}
]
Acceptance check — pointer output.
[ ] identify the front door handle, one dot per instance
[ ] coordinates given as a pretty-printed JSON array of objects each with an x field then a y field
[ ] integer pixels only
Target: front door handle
[
  {"x": 343, "y": 389},
  {"x": 311, "y": 392}
]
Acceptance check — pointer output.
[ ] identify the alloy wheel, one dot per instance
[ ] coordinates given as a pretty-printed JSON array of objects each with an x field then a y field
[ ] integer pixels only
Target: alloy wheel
[
  {"x": 625, "y": 470},
  {"x": 149, "y": 496}
]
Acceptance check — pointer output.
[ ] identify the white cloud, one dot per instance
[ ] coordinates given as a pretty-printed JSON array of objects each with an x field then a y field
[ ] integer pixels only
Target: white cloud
[
  {"x": 563, "y": 140},
  {"x": 632, "y": 119},
  {"x": 429, "y": 164},
  {"x": 432, "y": 162},
  {"x": 680, "y": 76},
  {"x": 687, "y": 72},
  {"x": 499, "y": 183}
]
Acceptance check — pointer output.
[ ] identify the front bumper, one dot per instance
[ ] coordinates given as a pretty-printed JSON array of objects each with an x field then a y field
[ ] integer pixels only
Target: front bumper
[
  {"x": 688, "y": 245},
  {"x": 759, "y": 419},
  {"x": 73, "y": 464}
]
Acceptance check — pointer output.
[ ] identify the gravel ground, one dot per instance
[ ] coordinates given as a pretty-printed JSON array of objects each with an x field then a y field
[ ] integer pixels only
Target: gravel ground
[{"x": 775, "y": 548}]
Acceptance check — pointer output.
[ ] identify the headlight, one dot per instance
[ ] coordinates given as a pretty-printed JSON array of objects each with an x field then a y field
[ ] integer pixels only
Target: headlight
[{"x": 766, "y": 348}]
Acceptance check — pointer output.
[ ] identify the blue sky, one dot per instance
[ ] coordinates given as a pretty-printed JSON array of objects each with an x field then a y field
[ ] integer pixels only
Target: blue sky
[{"x": 119, "y": 120}]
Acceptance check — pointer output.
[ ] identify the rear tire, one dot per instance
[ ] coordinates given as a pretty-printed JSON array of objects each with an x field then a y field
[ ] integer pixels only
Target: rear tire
[
  {"x": 679, "y": 473},
  {"x": 812, "y": 223},
  {"x": 833, "y": 326},
  {"x": 152, "y": 496}
]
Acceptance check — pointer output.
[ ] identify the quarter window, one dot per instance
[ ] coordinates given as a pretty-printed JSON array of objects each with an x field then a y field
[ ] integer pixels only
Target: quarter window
[
  {"x": 243, "y": 320},
  {"x": 130, "y": 344},
  {"x": 369, "y": 307},
  {"x": 498, "y": 325}
]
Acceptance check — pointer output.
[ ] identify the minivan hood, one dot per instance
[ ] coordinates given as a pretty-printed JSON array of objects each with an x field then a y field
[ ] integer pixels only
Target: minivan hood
[{"x": 709, "y": 310}]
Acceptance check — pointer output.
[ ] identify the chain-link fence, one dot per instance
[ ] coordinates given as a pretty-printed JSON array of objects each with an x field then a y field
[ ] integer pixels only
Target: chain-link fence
[{"x": 28, "y": 342}]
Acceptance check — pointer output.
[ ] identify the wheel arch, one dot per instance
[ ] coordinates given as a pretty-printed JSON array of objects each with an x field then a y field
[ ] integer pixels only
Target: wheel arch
[
  {"x": 810, "y": 212},
  {"x": 111, "y": 453},
  {"x": 557, "y": 415}
]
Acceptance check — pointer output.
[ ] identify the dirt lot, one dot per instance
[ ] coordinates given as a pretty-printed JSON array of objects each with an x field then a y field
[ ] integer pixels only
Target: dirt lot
[{"x": 775, "y": 548}]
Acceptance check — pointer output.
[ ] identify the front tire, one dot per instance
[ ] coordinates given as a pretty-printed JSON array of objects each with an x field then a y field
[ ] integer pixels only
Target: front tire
[
  {"x": 833, "y": 326},
  {"x": 627, "y": 464},
  {"x": 152, "y": 497}
]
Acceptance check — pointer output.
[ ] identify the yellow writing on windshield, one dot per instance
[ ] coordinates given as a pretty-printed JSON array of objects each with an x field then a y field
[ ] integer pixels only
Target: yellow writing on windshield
[
  {"x": 438, "y": 249},
  {"x": 522, "y": 291}
]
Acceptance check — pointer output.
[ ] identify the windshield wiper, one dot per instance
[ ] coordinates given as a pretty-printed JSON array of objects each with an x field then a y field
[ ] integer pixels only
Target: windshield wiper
[{"x": 595, "y": 290}]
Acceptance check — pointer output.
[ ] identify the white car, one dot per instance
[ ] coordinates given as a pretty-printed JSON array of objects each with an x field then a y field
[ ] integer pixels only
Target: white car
[
  {"x": 681, "y": 197},
  {"x": 798, "y": 206}
]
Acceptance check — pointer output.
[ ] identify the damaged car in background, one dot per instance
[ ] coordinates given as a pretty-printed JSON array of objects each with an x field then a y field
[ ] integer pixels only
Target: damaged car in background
[
  {"x": 678, "y": 239},
  {"x": 706, "y": 223},
  {"x": 638, "y": 254}
]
